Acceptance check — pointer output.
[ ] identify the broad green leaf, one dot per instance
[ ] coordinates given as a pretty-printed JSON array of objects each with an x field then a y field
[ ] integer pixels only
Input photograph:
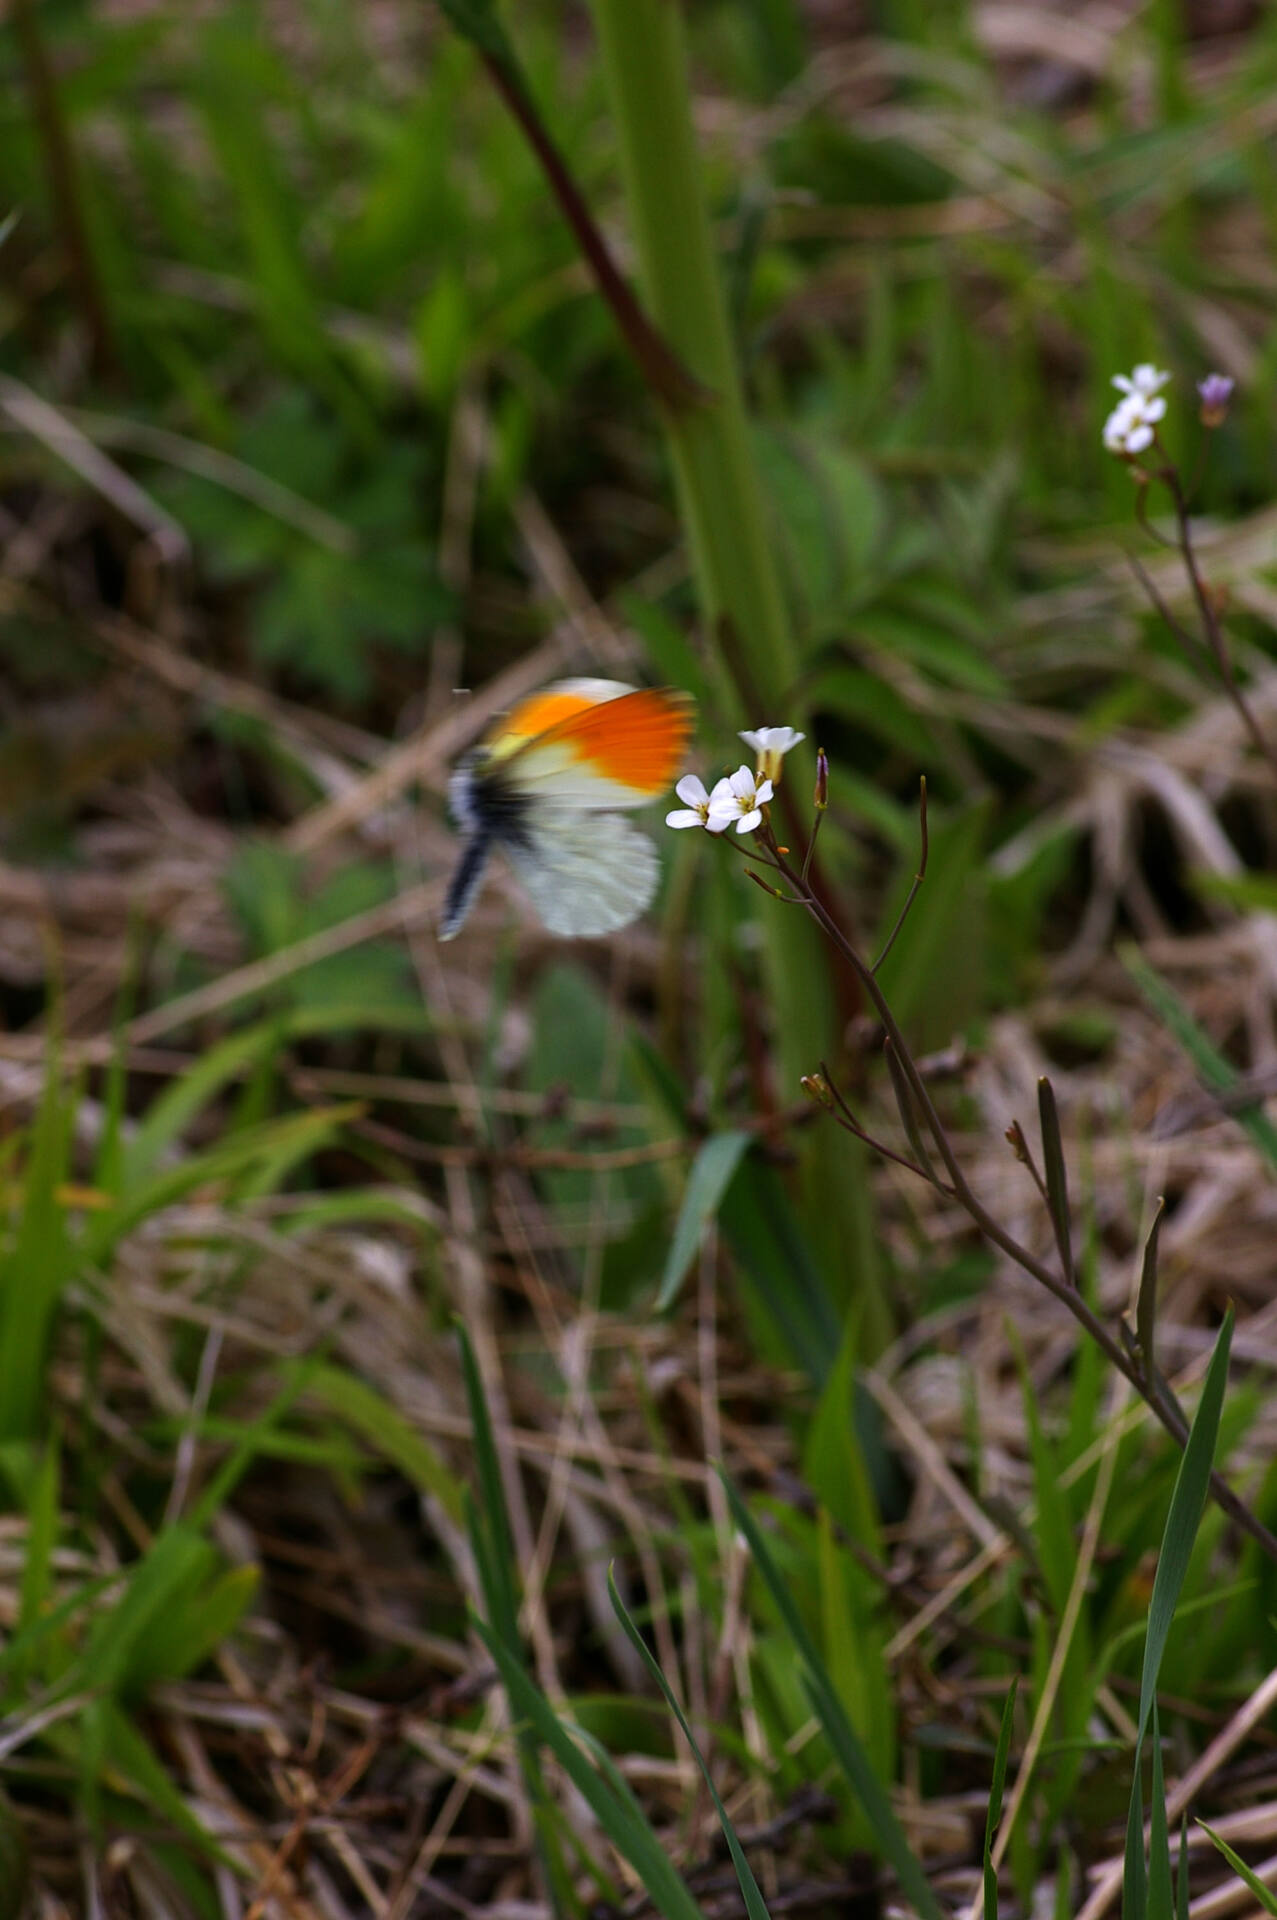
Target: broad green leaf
[{"x": 712, "y": 1173}]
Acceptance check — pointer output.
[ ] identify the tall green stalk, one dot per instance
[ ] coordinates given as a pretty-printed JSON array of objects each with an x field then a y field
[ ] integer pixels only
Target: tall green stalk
[
  {"x": 645, "y": 62},
  {"x": 644, "y": 51}
]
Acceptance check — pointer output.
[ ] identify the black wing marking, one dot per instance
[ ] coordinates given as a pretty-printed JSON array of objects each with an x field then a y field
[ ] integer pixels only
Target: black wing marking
[{"x": 464, "y": 883}]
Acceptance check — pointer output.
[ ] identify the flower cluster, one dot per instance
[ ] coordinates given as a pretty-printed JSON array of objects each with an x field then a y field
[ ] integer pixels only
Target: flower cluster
[
  {"x": 1132, "y": 426},
  {"x": 738, "y": 798}
]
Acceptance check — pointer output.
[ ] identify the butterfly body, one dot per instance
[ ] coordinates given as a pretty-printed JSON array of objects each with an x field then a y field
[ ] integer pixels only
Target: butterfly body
[{"x": 549, "y": 787}]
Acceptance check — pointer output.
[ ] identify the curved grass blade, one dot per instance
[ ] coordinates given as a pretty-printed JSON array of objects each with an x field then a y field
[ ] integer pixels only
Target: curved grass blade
[
  {"x": 842, "y": 1736},
  {"x": 755, "y": 1905},
  {"x": 1188, "y": 1499},
  {"x": 995, "y": 1802},
  {"x": 1264, "y": 1895},
  {"x": 1146, "y": 1304},
  {"x": 618, "y": 1816}
]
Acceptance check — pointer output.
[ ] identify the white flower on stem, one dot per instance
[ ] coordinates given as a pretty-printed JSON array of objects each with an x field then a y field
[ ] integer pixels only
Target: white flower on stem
[
  {"x": 1132, "y": 425},
  {"x": 771, "y": 744},
  {"x": 738, "y": 800},
  {"x": 696, "y": 809},
  {"x": 772, "y": 739},
  {"x": 1145, "y": 380}
]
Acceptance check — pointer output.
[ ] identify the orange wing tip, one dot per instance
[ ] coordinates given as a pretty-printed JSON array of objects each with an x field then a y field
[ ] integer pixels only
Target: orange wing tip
[{"x": 637, "y": 742}]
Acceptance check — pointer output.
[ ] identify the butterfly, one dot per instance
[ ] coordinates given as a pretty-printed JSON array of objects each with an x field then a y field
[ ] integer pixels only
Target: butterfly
[{"x": 548, "y": 786}]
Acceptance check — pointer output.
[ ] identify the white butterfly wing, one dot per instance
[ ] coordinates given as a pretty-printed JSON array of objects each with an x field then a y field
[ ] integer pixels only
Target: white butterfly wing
[{"x": 587, "y": 874}]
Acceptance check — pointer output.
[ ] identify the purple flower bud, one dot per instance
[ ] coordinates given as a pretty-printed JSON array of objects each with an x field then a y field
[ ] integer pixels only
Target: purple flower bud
[
  {"x": 821, "y": 796},
  {"x": 1215, "y": 392}
]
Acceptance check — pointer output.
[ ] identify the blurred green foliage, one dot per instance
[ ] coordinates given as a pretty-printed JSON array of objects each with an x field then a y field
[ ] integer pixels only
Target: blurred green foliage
[{"x": 314, "y": 251}]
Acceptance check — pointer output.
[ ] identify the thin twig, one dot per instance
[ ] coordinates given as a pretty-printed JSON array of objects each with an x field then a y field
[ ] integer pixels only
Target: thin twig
[{"x": 918, "y": 878}]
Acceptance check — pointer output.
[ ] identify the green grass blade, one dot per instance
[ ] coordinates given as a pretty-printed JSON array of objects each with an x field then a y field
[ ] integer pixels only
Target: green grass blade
[
  {"x": 384, "y": 1428},
  {"x": 996, "y": 1786},
  {"x": 632, "y": 1837},
  {"x": 755, "y": 1905},
  {"x": 1146, "y": 1304},
  {"x": 42, "y": 1533},
  {"x": 842, "y": 1736},
  {"x": 1134, "y": 1868},
  {"x": 34, "y": 1270},
  {"x": 491, "y": 1523},
  {"x": 1264, "y": 1895},
  {"x": 488, "y": 1523},
  {"x": 1212, "y": 1069},
  {"x": 173, "y": 1566},
  {"x": 1187, "y": 1501},
  {"x": 1161, "y": 1901}
]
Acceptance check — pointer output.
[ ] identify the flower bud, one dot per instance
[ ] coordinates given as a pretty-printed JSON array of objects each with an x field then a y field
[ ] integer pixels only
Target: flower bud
[
  {"x": 1215, "y": 393},
  {"x": 821, "y": 796},
  {"x": 816, "y": 1087}
]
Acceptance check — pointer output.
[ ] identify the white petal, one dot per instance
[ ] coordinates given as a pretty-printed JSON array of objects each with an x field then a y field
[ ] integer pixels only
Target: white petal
[
  {"x": 742, "y": 783},
  {"x": 684, "y": 817},
  {"x": 720, "y": 822},
  {"x": 1154, "y": 409},
  {"x": 764, "y": 793},
  {"x": 1138, "y": 438},
  {"x": 722, "y": 813},
  {"x": 1122, "y": 383},
  {"x": 691, "y": 789},
  {"x": 772, "y": 739},
  {"x": 749, "y": 822}
]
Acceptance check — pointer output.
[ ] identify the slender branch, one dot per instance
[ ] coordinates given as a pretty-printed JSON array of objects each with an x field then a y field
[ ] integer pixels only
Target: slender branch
[
  {"x": 1210, "y": 621},
  {"x": 1164, "y": 1410},
  {"x": 847, "y": 1120},
  {"x": 1141, "y": 514},
  {"x": 1192, "y": 646},
  {"x": 918, "y": 877}
]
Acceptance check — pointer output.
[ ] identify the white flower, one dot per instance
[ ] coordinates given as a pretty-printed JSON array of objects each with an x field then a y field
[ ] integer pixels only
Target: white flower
[
  {"x": 1145, "y": 380},
  {"x": 772, "y": 739},
  {"x": 695, "y": 813},
  {"x": 1130, "y": 427},
  {"x": 740, "y": 798},
  {"x": 771, "y": 744}
]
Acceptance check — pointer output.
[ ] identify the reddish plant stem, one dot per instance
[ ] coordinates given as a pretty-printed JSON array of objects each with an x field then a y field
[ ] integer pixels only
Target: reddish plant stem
[
  {"x": 1217, "y": 644},
  {"x": 1164, "y": 1409},
  {"x": 672, "y": 383}
]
